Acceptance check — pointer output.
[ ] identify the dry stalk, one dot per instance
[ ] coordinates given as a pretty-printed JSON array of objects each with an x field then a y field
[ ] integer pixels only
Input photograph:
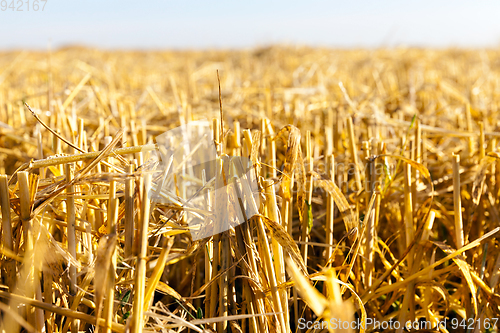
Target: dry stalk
[
  {"x": 408, "y": 218},
  {"x": 354, "y": 153},
  {"x": 32, "y": 287},
  {"x": 307, "y": 220},
  {"x": 459, "y": 232},
  {"x": 111, "y": 228},
  {"x": 7, "y": 241},
  {"x": 140, "y": 277},
  {"x": 481, "y": 141},
  {"x": 129, "y": 211},
  {"x": 271, "y": 276},
  {"x": 278, "y": 259},
  {"x": 330, "y": 209}
]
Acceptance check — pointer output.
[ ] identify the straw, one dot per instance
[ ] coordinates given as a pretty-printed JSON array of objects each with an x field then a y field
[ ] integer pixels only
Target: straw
[
  {"x": 75, "y": 226},
  {"x": 140, "y": 277},
  {"x": 459, "y": 233},
  {"x": 354, "y": 153},
  {"x": 330, "y": 209},
  {"x": 129, "y": 212},
  {"x": 7, "y": 240}
]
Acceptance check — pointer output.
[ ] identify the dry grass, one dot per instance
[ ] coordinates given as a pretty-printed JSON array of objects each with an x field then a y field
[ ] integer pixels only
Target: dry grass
[{"x": 379, "y": 174}]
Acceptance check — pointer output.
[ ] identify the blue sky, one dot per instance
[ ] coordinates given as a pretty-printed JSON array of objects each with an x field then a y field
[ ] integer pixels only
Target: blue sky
[{"x": 235, "y": 24}]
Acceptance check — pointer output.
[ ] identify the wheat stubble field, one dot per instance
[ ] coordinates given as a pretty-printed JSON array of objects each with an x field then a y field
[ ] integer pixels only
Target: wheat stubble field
[{"x": 378, "y": 177}]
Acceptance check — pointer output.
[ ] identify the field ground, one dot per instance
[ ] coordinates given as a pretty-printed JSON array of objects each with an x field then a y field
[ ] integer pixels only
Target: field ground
[{"x": 378, "y": 184}]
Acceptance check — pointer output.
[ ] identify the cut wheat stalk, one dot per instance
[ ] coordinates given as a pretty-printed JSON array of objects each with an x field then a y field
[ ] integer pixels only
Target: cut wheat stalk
[
  {"x": 272, "y": 150},
  {"x": 140, "y": 275},
  {"x": 214, "y": 292},
  {"x": 236, "y": 144},
  {"x": 429, "y": 315},
  {"x": 32, "y": 288},
  {"x": 129, "y": 211},
  {"x": 253, "y": 307},
  {"x": 408, "y": 217},
  {"x": 71, "y": 232},
  {"x": 457, "y": 202},
  {"x": 71, "y": 215},
  {"x": 481, "y": 140},
  {"x": 287, "y": 207},
  {"x": 354, "y": 153},
  {"x": 416, "y": 145},
  {"x": 468, "y": 117},
  {"x": 271, "y": 276},
  {"x": 330, "y": 209},
  {"x": 307, "y": 220},
  {"x": 221, "y": 240},
  {"x": 208, "y": 252},
  {"x": 111, "y": 228},
  {"x": 10, "y": 322},
  {"x": 279, "y": 259},
  {"x": 7, "y": 241},
  {"x": 224, "y": 295}
]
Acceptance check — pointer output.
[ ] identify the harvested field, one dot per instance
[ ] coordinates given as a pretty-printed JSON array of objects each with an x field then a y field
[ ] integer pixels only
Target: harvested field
[{"x": 372, "y": 178}]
